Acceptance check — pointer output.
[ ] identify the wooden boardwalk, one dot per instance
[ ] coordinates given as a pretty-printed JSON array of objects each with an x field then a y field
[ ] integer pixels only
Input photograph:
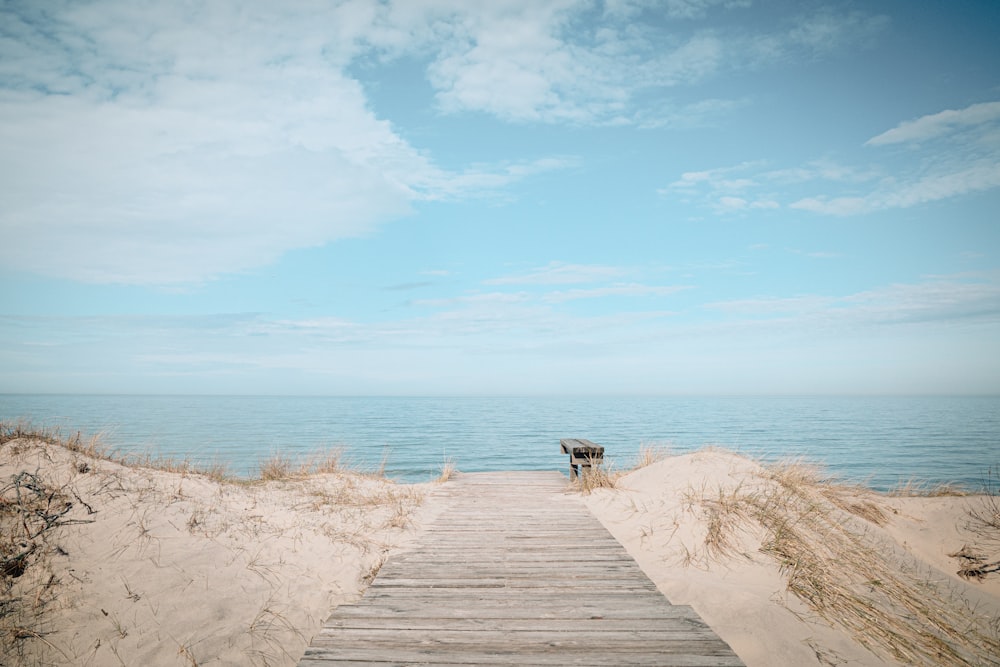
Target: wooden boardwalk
[{"x": 514, "y": 571}]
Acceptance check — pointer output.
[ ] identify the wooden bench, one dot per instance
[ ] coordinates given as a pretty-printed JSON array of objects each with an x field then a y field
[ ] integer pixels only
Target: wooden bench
[{"x": 582, "y": 453}]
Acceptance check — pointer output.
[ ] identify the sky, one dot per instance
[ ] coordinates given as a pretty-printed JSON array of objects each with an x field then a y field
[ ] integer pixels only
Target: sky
[{"x": 530, "y": 197}]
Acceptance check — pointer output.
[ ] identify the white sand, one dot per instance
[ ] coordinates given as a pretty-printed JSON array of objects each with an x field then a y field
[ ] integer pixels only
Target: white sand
[
  {"x": 180, "y": 569},
  {"x": 661, "y": 514},
  {"x": 175, "y": 569}
]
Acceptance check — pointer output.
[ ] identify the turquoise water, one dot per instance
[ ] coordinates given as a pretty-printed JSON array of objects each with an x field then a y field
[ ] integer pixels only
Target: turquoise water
[{"x": 879, "y": 441}]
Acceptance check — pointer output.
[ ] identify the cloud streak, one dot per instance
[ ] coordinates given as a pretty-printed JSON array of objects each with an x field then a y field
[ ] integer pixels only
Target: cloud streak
[
  {"x": 559, "y": 273},
  {"x": 964, "y": 160},
  {"x": 938, "y": 124}
]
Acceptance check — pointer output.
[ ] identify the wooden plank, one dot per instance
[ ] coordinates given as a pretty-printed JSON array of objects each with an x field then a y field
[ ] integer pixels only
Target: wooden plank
[
  {"x": 515, "y": 571},
  {"x": 511, "y": 655},
  {"x": 588, "y": 625}
]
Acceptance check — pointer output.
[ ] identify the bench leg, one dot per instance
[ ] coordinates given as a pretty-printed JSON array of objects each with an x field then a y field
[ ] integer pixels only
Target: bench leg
[{"x": 573, "y": 474}]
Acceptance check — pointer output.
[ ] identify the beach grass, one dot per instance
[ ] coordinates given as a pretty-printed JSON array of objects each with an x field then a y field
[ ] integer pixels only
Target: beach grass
[
  {"x": 595, "y": 476},
  {"x": 279, "y": 466},
  {"x": 448, "y": 469},
  {"x": 820, "y": 534},
  {"x": 649, "y": 454},
  {"x": 61, "y": 483},
  {"x": 600, "y": 476}
]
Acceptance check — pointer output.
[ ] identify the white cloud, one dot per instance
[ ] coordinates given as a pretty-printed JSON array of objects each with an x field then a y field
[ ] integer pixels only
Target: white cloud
[
  {"x": 491, "y": 298},
  {"x": 808, "y": 35},
  {"x": 560, "y": 273},
  {"x": 616, "y": 290},
  {"x": 821, "y": 170},
  {"x": 521, "y": 62},
  {"x": 525, "y": 61},
  {"x": 905, "y": 193},
  {"x": 183, "y": 142},
  {"x": 938, "y": 124},
  {"x": 827, "y": 30},
  {"x": 726, "y": 189},
  {"x": 946, "y": 299},
  {"x": 721, "y": 178},
  {"x": 177, "y": 142},
  {"x": 770, "y": 306},
  {"x": 951, "y": 183},
  {"x": 697, "y": 114},
  {"x": 958, "y": 165},
  {"x": 732, "y": 203},
  {"x": 833, "y": 206}
]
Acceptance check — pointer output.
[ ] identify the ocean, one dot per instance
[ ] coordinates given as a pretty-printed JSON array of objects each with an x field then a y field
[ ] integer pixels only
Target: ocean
[{"x": 879, "y": 441}]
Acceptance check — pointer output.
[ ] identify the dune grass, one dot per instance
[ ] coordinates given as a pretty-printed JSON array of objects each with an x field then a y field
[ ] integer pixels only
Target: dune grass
[
  {"x": 922, "y": 489},
  {"x": 39, "y": 500},
  {"x": 595, "y": 476},
  {"x": 448, "y": 469},
  {"x": 821, "y": 534},
  {"x": 279, "y": 466},
  {"x": 599, "y": 476},
  {"x": 648, "y": 455}
]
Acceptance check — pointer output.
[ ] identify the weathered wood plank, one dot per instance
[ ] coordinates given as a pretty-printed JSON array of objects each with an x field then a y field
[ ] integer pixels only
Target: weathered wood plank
[
  {"x": 510, "y": 655},
  {"x": 621, "y": 641},
  {"x": 692, "y": 624},
  {"x": 515, "y": 571},
  {"x": 416, "y": 609}
]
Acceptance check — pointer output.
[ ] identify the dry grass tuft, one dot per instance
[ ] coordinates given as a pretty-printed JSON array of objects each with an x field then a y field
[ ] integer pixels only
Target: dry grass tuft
[
  {"x": 650, "y": 454},
  {"x": 802, "y": 478},
  {"x": 25, "y": 431},
  {"x": 324, "y": 462},
  {"x": 843, "y": 571},
  {"x": 920, "y": 489},
  {"x": 374, "y": 569},
  {"x": 595, "y": 476},
  {"x": 277, "y": 467},
  {"x": 447, "y": 470}
]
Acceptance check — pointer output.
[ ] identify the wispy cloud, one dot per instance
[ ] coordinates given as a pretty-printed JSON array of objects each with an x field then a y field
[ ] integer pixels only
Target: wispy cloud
[
  {"x": 944, "y": 299},
  {"x": 948, "y": 182},
  {"x": 729, "y": 204},
  {"x": 964, "y": 160},
  {"x": 560, "y": 273},
  {"x": 495, "y": 333},
  {"x": 616, "y": 290},
  {"x": 531, "y": 62},
  {"x": 811, "y": 35},
  {"x": 938, "y": 124},
  {"x": 490, "y": 298}
]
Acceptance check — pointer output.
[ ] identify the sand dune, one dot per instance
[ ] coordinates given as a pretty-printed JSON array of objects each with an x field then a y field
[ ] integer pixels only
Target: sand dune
[
  {"x": 150, "y": 567},
  {"x": 792, "y": 569},
  {"x": 111, "y": 564}
]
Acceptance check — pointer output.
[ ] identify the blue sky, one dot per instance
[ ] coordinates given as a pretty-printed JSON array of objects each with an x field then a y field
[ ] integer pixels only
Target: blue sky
[{"x": 513, "y": 197}]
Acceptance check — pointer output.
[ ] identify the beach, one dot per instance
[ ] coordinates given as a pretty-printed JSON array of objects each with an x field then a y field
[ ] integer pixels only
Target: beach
[
  {"x": 159, "y": 567},
  {"x": 145, "y": 562}
]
